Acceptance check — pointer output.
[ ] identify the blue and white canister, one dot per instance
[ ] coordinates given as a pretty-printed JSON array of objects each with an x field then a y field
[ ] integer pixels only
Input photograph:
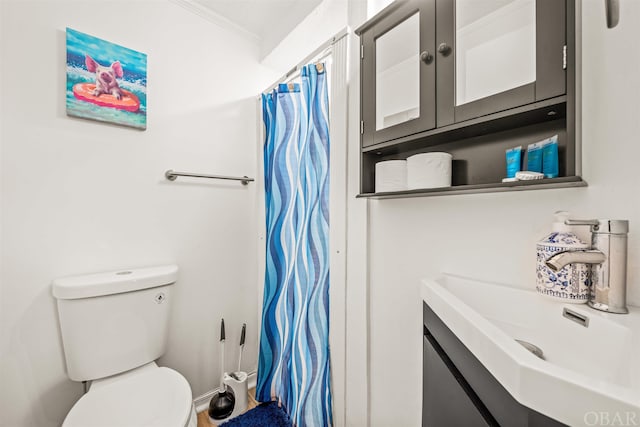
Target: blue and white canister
[{"x": 571, "y": 283}]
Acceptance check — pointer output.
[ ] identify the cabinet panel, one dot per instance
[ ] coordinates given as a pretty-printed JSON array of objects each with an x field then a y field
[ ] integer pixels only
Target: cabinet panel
[
  {"x": 445, "y": 67},
  {"x": 398, "y": 74},
  {"x": 502, "y": 54},
  {"x": 445, "y": 401},
  {"x": 495, "y": 47},
  {"x": 551, "y": 67}
]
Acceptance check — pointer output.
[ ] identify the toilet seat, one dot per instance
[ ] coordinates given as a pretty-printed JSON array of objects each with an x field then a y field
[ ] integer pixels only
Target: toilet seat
[{"x": 147, "y": 396}]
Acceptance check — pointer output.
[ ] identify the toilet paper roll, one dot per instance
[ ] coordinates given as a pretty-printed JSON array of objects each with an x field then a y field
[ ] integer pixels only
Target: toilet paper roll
[
  {"x": 429, "y": 170},
  {"x": 391, "y": 175}
]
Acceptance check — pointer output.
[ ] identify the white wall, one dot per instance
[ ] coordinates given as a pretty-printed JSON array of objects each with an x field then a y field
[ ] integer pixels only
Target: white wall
[
  {"x": 492, "y": 236},
  {"x": 81, "y": 196},
  {"x": 375, "y": 6},
  {"x": 326, "y": 20}
]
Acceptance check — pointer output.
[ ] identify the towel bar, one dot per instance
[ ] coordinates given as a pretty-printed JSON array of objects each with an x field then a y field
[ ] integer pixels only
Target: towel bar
[{"x": 171, "y": 175}]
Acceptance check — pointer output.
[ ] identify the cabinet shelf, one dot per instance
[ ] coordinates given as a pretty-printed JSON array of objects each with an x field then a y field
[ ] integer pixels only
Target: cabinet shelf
[
  {"x": 548, "y": 183},
  {"x": 537, "y": 112}
]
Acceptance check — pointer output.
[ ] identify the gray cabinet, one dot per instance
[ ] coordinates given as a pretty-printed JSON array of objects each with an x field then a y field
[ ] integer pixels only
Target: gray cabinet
[
  {"x": 399, "y": 74},
  {"x": 459, "y": 391},
  {"x": 447, "y": 398},
  {"x": 498, "y": 55},
  {"x": 472, "y": 78}
]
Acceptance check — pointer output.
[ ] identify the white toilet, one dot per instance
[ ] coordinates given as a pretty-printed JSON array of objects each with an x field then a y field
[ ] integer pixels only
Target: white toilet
[{"x": 114, "y": 326}]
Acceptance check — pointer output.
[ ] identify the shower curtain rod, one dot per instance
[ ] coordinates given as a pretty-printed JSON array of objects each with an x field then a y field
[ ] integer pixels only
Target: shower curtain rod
[
  {"x": 322, "y": 52},
  {"x": 295, "y": 72}
]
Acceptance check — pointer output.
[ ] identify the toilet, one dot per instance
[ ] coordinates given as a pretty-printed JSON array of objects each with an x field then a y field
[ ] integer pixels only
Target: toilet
[{"x": 114, "y": 326}]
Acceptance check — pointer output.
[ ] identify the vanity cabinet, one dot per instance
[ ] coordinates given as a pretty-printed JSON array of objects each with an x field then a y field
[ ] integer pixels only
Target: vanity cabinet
[
  {"x": 469, "y": 77},
  {"x": 459, "y": 391},
  {"x": 448, "y": 399}
]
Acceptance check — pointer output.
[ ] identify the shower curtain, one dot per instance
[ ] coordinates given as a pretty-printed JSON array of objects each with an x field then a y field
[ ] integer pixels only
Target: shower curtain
[{"x": 293, "y": 365}]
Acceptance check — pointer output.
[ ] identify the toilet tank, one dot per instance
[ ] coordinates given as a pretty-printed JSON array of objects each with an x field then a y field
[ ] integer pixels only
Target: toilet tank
[{"x": 115, "y": 321}]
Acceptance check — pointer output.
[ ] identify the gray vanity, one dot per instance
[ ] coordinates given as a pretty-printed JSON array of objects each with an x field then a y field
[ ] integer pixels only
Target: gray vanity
[
  {"x": 459, "y": 391},
  {"x": 501, "y": 354}
]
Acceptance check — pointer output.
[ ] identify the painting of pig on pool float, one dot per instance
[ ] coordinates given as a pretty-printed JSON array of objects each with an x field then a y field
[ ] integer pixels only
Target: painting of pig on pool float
[{"x": 105, "y": 81}]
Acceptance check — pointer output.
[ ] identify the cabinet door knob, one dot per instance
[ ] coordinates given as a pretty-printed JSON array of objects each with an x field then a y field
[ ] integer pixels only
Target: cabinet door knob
[
  {"x": 426, "y": 57},
  {"x": 444, "y": 49}
]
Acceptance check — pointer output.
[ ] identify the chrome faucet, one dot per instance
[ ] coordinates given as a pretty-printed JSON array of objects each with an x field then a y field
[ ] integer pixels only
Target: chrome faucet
[{"x": 608, "y": 260}]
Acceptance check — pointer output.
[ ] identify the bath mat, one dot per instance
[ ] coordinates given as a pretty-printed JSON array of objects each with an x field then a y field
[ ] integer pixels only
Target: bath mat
[{"x": 265, "y": 414}]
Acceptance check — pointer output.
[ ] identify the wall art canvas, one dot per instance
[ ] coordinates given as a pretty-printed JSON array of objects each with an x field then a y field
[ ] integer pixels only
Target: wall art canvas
[{"x": 105, "y": 81}]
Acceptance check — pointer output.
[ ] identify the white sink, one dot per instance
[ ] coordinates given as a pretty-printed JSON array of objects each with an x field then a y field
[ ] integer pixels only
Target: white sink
[{"x": 589, "y": 373}]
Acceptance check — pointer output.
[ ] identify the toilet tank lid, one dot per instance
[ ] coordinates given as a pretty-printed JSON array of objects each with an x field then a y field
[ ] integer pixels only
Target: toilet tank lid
[{"x": 113, "y": 282}]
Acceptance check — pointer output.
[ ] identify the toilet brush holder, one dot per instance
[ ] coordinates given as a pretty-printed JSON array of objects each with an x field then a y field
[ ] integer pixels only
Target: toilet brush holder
[{"x": 238, "y": 382}]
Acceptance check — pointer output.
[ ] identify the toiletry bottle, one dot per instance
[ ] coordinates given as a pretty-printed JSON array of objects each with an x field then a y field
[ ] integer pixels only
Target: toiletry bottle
[{"x": 571, "y": 283}]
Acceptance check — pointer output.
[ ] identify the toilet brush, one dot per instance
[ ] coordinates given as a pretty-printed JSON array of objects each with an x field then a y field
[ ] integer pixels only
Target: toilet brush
[
  {"x": 242, "y": 336},
  {"x": 234, "y": 375},
  {"x": 223, "y": 402}
]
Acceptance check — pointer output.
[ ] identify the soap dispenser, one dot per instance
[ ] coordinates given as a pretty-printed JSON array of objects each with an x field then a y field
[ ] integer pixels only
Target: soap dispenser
[{"x": 571, "y": 283}]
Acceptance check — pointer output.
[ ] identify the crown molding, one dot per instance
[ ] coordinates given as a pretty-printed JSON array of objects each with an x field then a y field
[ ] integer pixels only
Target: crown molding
[{"x": 215, "y": 18}]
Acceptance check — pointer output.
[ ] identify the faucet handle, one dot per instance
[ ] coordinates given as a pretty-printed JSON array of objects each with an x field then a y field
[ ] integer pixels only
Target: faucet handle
[
  {"x": 591, "y": 222},
  {"x": 609, "y": 226}
]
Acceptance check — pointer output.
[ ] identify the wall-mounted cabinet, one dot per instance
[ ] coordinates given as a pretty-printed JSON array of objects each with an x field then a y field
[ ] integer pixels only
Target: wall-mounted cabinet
[{"x": 472, "y": 78}]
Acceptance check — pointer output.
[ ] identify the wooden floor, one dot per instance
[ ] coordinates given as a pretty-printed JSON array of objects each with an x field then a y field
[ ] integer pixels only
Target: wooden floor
[{"x": 203, "y": 417}]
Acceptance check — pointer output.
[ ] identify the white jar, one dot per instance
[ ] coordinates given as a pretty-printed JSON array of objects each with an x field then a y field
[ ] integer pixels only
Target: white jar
[{"x": 571, "y": 283}]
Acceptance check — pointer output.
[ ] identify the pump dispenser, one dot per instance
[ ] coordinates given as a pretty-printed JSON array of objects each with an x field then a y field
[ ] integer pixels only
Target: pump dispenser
[{"x": 571, "y": 283}]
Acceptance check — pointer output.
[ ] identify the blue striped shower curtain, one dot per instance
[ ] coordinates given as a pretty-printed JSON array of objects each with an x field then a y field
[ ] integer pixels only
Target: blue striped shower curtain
[{"x": 293, "y": 365}]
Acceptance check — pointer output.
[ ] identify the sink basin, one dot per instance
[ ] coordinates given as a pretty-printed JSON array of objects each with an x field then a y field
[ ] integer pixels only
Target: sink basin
[{"x": 591, "y": 360}]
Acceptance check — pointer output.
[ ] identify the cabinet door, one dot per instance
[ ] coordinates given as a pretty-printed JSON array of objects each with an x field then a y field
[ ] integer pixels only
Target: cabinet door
[
  {"x": 398, "y": 74},
  {"x": 494, "y": 55},
  {"x": 445, "y": 400}
]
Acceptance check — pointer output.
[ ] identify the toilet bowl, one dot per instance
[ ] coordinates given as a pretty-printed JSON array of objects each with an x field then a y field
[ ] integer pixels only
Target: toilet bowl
[
  {"x": 146, "y": 396},
  {"x": 114, "y": 326}
]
